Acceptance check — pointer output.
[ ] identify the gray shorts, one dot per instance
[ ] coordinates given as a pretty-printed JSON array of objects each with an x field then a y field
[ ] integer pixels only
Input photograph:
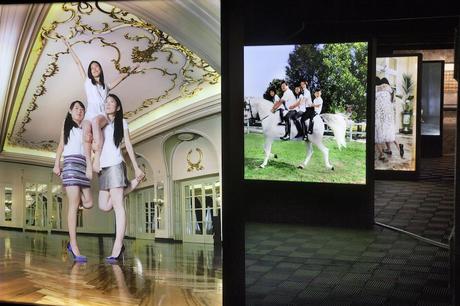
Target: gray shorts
[{"x": 113, "y": 177}]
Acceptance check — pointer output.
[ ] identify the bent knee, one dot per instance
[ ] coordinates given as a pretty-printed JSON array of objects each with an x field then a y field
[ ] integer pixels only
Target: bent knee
[
  {"x": 105, "y": 208},
  {"x": 88, "y": 205},
  {"x": 98, "y": 121}
]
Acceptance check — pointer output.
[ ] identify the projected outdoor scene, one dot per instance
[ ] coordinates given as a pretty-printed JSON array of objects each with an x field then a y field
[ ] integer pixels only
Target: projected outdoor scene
[
  {"x": 395, "y": 113},
  {"x": 305, "y": 112}
]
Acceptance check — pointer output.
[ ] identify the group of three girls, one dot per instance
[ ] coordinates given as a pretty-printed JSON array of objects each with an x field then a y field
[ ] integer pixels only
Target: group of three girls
[{"x": 101, "y": 128}]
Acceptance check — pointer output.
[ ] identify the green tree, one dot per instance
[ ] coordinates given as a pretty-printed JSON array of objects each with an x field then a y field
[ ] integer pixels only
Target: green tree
[
  {"x": 340, "y": 70},
  {"x": 304, "y": 63},
  {"x": 275, "y": 83}
]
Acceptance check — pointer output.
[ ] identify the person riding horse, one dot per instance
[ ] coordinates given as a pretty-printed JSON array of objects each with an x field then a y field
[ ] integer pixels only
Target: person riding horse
[
  {"x": 312, "y": 109},
  {"x": 288, "y": 99}
]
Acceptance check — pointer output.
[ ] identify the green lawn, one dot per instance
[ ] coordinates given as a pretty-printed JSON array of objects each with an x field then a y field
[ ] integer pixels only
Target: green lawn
[{"x": 349, "y": 163}]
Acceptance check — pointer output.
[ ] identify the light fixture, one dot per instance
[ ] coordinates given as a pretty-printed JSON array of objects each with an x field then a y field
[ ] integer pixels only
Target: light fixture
[{"x": 185, "y": 136}]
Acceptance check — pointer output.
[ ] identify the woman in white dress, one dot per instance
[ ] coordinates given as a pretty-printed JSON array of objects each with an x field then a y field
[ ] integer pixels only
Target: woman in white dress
[
  {"x": 384, "y": 121},
  {"x": 95, "y": 120},
  {"x": 399, "y": 147}
]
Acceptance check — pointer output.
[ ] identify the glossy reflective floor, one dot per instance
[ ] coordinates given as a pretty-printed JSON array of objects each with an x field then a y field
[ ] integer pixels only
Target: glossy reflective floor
[{"x": 35, "y": 268}]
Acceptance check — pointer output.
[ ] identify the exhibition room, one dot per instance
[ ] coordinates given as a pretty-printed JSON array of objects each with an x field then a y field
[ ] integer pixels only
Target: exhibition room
[{"x": 206, "y": 152}]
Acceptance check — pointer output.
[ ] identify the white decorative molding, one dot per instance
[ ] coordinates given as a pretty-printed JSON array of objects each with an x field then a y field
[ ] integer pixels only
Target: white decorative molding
[
  {"x": 27, "y": 159},
  {"x": 198, "y": 110},
  {"x": 26, "y": 19}
]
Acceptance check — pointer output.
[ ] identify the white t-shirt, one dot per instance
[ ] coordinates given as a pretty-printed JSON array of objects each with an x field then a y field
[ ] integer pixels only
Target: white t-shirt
[
  {"x": 110, "y": 154},
  {"x": 95, "y": 97},
  {"x": 307, "y": 96},
  {"x": 301, "y": 106},
  {"x": 74, "y": 143},
  {"x": 276, "y": 98},
  {"x": 289, "y": 98},
  {"x": 318, "y": 100}
]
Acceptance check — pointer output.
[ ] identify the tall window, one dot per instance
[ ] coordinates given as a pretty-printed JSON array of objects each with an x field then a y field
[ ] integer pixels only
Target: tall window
[
  {"x": 149, "y": 216},
  {"x": 8, "y": 203},
  {"x": 36, "y": 204},
  {"x": 159, "y": 207},
  {"x": 56, "y": 207}
]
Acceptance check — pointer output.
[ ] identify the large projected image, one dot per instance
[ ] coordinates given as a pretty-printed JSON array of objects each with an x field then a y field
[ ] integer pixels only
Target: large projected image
[
  {"x": 395, "y": 113},
  {"x": 305, "y": 112}
]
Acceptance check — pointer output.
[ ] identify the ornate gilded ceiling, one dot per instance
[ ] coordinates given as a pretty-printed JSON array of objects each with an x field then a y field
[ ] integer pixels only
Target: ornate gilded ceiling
[{"x": 168, "y": 72}]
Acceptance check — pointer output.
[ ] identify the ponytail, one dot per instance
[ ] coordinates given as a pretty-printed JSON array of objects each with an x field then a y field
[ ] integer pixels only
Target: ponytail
[{"x": 69, "y": 123}]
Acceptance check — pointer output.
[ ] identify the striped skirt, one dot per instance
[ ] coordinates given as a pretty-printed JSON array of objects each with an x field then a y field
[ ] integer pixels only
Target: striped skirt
[{"x": 73, "y": 173}]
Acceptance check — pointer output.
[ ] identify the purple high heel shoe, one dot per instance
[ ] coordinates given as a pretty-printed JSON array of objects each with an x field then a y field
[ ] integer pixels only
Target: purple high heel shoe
[
  {"x": 112, "y": 259},
  {"x": 77, "y": 258}
]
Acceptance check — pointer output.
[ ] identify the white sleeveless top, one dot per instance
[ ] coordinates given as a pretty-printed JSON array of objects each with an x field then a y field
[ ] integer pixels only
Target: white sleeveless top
[
  {"x": 110, "y": 154},
  {"x": 75, "y": 143},
  {"x": 95, "y": 97}
]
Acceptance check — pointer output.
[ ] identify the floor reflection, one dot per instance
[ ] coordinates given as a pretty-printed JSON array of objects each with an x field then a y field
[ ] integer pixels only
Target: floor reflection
[{"x": 35, "y": 267}]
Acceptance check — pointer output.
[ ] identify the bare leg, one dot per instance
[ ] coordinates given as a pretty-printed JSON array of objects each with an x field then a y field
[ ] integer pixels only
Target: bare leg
[
  {"x": 98, "y": 123},
  {"x": 87, "y": 139},
  {"x": 104, "y": 203},
  {"x": 73, "y": 194},
  {"x": 120, "y": 219},
  {"x": 87, "y": 198},
  {"x": 380, "y": 152},
  {"x": 131, "y": 186},
  {"x": 388, "y": 146}
]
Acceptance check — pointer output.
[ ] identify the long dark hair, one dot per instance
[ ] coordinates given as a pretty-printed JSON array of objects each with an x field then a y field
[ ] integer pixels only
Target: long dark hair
[
  {"x": 118, "y": 132},
  {"x": 267, "y": 95},
  {"x": 297, "y": 95},
  {"x": 101, "y": 76},
  {"x": 69, "y": 123},
  {"x": 384, "y": 81}
]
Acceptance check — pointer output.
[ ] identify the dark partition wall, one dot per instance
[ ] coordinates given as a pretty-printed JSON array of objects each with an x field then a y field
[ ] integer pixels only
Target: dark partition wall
[
  {"x": 455, "y": 240},
  {"x": 431, "y": 108},
  {"x": 234, "y": 214}
]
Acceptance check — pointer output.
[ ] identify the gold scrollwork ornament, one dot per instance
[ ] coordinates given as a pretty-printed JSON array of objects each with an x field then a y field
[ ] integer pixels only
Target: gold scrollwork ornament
[{"x": 191, "y": 165}]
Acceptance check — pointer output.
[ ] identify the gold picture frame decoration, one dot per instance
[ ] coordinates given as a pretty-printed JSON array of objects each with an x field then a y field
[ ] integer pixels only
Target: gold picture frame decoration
[{"x": 197, "y": 165}]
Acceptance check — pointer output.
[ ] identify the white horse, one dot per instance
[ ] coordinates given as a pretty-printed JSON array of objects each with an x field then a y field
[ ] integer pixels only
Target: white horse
[{"x": 273, "y": 131}]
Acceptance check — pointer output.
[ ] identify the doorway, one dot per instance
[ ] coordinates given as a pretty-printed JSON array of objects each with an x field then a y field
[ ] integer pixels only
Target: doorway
[{"x": 201, "y": 209}]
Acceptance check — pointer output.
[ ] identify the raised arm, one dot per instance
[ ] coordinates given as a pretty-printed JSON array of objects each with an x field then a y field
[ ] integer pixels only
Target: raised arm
[
  {"x": 129, "y": 148},
  {"x": 123, "y": 76},
  {"x": 59, "y": 150},
  {"x": 276, "y": 105},
  {"x": 75, "y": 58}
]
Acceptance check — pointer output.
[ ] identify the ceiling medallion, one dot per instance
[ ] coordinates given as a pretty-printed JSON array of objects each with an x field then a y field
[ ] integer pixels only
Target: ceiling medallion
[{"x": 186, "y": 136}]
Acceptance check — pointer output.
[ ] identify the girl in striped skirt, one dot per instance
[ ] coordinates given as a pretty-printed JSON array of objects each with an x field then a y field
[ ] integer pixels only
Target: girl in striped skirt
[{"x": 74, "y": 180}]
